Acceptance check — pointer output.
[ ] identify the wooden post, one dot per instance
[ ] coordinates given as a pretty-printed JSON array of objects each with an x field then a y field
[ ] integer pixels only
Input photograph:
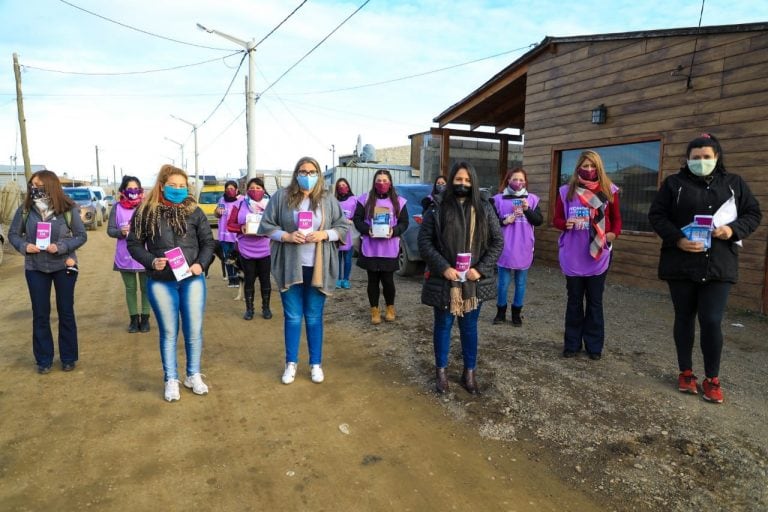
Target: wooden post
[
  {"x": 503, "y": 157},
  {"x": 97, "y": 167},
  {"x": 22, "y": 120},
  {"x": 445, "y": 151}
]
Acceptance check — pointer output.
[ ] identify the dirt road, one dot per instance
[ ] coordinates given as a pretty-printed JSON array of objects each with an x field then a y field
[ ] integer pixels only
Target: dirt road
[{"x": 102, "y": 438}]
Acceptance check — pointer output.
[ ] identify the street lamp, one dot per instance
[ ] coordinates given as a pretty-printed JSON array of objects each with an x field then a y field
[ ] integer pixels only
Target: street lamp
[
  {"x": 333, "y": 155},
  {"x": 181, "y": 147},
  {"x": 194, "y": 131},
  {"x": 250, "y": 96}
]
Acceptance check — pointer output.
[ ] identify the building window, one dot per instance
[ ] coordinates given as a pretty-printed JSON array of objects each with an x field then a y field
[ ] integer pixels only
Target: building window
[{"x": 634, "y": 168}]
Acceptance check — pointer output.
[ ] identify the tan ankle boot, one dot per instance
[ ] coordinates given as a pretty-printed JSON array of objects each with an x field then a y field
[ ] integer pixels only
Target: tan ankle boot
[
  {"x": 375, "y": 316},
  {"x": 389, "y": 316}
]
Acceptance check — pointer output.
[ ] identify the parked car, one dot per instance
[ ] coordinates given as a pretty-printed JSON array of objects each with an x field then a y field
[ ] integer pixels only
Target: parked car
[
  {"x": 86, "y": 201},
  {"x": 110, "y": 201},
  {"x": 210, "y": 195},
  {"x": 102, "y": 206},
  {"x": 410, "y": 261}
]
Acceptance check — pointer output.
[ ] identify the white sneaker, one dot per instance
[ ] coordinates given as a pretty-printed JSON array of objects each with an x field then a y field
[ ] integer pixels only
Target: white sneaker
[
  {"x": 172, "y": 390},
  {"x": 316, "y": 371},
  {"x": 289, "y": 375},
  {"x": 196, "y": 384}
]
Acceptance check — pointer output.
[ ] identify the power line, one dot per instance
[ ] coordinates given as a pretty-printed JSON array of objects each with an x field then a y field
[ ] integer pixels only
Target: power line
[
  {"x": 141, "y": 30},
  {"x": 222, "y": 132},
  {"x": 315, "y": 47},
  {"x": 280, "y": 24},
  {"x": 120, "y": 73},
  {"x": 226, "y": 93}
]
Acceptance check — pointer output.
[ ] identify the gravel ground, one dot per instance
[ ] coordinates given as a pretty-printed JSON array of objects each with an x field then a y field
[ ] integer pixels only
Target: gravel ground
[{"x": 616, "y": 428}]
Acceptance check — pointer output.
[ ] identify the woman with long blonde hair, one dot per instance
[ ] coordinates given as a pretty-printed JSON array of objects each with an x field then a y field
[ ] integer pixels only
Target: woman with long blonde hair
[{"x": 170, "y": 236}]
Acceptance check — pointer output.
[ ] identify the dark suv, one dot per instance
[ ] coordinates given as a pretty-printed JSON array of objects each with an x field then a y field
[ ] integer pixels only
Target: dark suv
[{"x": 410, "y": 258}]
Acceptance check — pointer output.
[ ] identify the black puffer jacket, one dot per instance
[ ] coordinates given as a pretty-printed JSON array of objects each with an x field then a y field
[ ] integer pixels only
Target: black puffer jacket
[
  {"x": 684, "y": 195},
  {"x": 436, "y": 289},
  {"x": 197, "y": 244}
]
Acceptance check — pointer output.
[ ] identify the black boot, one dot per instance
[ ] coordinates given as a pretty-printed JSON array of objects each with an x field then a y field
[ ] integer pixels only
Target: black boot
[
  {"x": 248, "y": 306},
  {"x": 265, "y": 311},
  {"x": 144, "y": 323},
  {"x": 469, "y": 382},
  {"x": 517, "y": 320},
  {"x": 501, "y": 315},
  {"x": 134, "y": 325}
]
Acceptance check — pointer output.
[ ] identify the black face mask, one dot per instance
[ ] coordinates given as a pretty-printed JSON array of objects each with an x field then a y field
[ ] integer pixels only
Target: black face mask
[
  {"x": 462, "y": 190},
  {"x": 37, "y": 192}
]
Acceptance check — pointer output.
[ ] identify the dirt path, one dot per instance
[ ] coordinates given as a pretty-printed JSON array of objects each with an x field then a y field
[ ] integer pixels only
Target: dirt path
[{"x": 102, "y": 438}]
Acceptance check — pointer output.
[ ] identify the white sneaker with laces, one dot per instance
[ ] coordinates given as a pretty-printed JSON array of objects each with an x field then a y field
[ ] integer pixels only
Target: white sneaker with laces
[
  {"x": 316, "y": 371},
  {"x": 196, "y": 384},
  {"x": 172, "y": 390},
  {"x": 289, "y": 375}
]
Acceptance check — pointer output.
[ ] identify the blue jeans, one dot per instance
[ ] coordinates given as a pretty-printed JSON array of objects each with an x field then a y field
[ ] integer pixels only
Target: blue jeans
[
  {"x": 467, "y": 333},
  {"x": 345, "y": 264},
  {"x": 582, "y": 325},
  {"x": 226, "y": 250},
  {"x": 169, "y": 299},
  {"x": 39, "y": 284},
  {"x": 505, "y": 276},
  {"x": 303, "y": 300}
]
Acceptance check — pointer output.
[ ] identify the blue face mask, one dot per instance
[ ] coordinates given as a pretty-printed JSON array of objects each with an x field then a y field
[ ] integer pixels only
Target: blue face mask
[
  {"x": 175, "y": 195},
  {"x": 306, "y": 182}
]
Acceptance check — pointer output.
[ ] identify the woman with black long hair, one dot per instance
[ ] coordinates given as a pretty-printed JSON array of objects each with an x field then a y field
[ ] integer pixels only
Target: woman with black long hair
[
  {"x": 347, "y": 200},
  {"x": 381, "y": 217},
  {"x": 460, "y": 240}
]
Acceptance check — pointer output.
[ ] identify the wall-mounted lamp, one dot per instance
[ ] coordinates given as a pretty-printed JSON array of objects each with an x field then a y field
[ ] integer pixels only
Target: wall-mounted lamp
[{"x": 599, "y": 114}]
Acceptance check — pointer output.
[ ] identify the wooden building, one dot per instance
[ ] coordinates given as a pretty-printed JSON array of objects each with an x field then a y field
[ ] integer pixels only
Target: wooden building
[{"x": 637, "y": 98}]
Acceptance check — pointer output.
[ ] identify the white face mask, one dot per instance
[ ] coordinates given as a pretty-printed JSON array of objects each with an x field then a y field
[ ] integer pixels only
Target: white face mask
[{"x": 702, "y": 167}]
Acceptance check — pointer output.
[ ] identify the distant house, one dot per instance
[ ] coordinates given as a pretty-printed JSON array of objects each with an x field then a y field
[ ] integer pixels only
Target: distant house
[
  {"x": 16, "y": 173},
  {"x": 637, "y": 98}
]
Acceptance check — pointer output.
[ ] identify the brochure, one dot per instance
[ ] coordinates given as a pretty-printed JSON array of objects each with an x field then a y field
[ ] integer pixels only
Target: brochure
[
  {"x": 517, "y": 207},
  {"x": 700, "y": 230},
  {"x": 463, "y": 261},
  {"x": 252, "y": 222},
  {"x": 43, "y": 237},
  {"x": 304, "y": 223},
  {"x": 580, "y": 216},
  {"x": 178, "y": 263},
  {"x": 380, "y": 222}
]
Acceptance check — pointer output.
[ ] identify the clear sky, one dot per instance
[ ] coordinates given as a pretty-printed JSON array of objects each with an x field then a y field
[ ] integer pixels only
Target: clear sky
[{"x": 128, "y": 114}]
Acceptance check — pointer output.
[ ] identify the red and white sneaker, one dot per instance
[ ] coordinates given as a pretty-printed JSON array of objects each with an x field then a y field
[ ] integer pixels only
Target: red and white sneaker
[
  {"x": 712, "y": 391},
  {"x": 686, "y": 383}
]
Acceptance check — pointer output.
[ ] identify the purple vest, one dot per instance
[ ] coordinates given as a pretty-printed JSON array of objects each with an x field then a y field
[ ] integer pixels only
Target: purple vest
[
  {"x": 573, "y": 245},
  {"x": 224, "y": 235},
  {"x": 252, "y": 247},
  {"x": 123, "y": 260},
  {"x": 348, "y": 208},
  {"x": 518, "y": 236},
  {"x": 381, "y": 247}
]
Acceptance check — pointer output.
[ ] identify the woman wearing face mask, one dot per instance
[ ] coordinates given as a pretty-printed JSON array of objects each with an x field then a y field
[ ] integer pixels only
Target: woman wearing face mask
[
  {"x": 244, "y": 220},
  {"x": 227, "y": 239},
  {"x": 460, "y": 240},
  {"x": 518, "y": 212},
  {"x": 437, "y": 188},
  {"x": 304, "y": 222},
  {"x": 170, "y": 236},
  {"x": 379, "y": 249},
  {"x": 587, "y": 213},
  {"x": 699, "y": 274},
  {"x": 131, "y": 271},
  {"x": 49, "y": 258},
  {"x": 347, "y": 200}
]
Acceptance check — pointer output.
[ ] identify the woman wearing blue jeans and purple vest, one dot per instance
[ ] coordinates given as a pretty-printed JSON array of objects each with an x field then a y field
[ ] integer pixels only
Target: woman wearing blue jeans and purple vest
[
  {"x": 170, "y": 236},
  {"x": 460, "y": 240},
  {"x": 347, "y": 200},
  {"x": 587, "y": 213},
  {"x": 518, "y": 212},
  {"x": 380, "y": 246},
  {"x": 228, "y": 202},
  {"x": 304, "y": 223}
]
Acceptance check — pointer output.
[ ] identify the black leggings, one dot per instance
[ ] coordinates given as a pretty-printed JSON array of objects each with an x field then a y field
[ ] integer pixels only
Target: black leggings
[
  {"x": 707, "y": 301},
  {"x": 253, "y": 268},
  {"x": 387, "y": 280}
]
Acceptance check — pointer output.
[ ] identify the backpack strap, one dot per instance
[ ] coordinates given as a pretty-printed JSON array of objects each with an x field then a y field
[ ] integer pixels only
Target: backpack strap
[{"x": 25, "y": 216}]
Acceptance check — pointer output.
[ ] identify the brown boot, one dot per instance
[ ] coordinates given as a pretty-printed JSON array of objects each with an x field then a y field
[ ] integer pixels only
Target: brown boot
[
  {"x": 469, "y": 382},
  {"x": 389, "y": 316},
  {"x": 441, "y": 381},
  {"x": 375, "y": 316}
]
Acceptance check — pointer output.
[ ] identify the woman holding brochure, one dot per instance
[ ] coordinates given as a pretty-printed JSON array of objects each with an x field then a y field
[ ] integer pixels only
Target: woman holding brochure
[
  {"x": 171, "y": 237},
  {"x": 227, "y": 239},
  {"x": 305, "y": 223},
  {"x": 47, "y": 230},
  {"x": 244, "y": 220},
  {"x": 460, "y": 240},
  {"x": 347, "y": 200},
  {"x": 381, "y": 216},
  {"x": 700, "y": 273}
]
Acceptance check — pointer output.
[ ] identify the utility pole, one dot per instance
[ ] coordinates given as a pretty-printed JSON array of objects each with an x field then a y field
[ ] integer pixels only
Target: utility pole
[
  {"x": 114, "y": 179},
  {"x": 333, "y": 155},
  {"x": 181, "y": 147},
  {"x": 97, "y": 167},
  {"x": 194, "y": 131},
  {"x": 250, "y": 96},
  {"x": 22, "y": 120}
]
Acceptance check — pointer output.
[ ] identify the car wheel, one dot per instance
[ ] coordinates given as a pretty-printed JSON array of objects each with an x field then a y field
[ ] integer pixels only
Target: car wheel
[{"x": 406, "y": 267}]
